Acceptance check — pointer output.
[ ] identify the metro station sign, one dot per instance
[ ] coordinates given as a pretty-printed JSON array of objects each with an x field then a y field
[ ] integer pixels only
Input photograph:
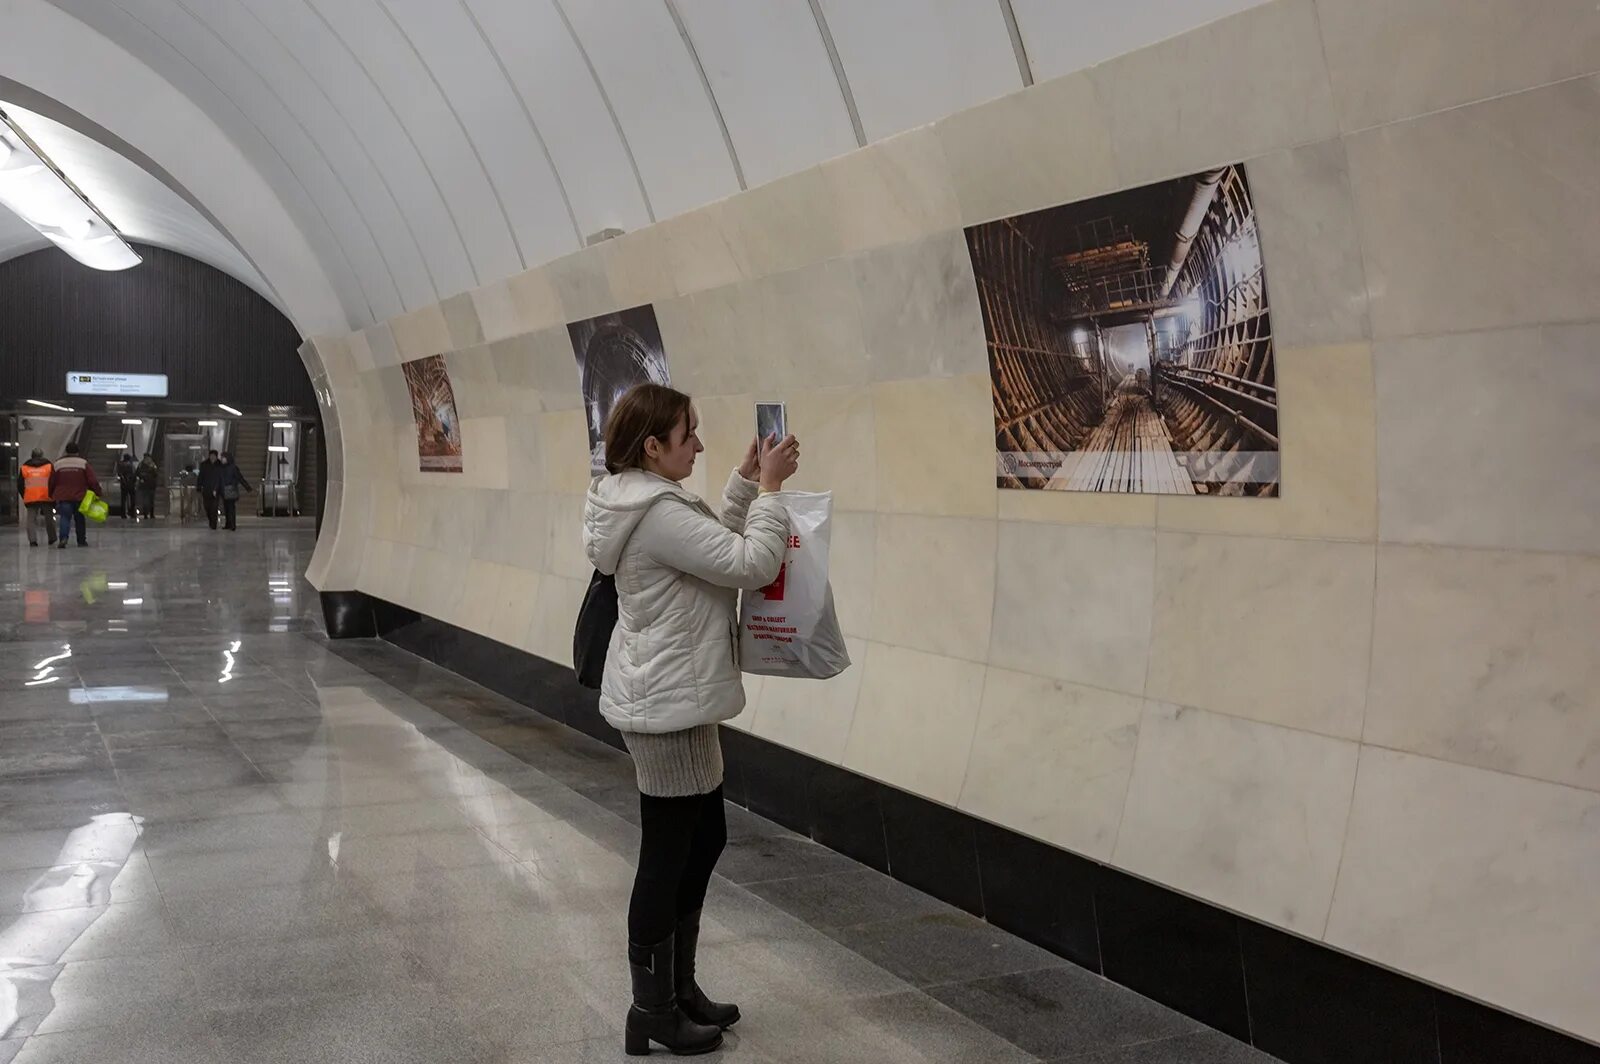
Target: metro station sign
[{"x": 153, "y": 385}]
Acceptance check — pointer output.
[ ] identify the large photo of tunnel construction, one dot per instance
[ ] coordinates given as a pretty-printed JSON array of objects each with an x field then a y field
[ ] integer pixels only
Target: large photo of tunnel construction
[
  {"x": 614, "y": 353},
  {"x": 1130, "y": 343},
  {"x": 433, "y": 406}
]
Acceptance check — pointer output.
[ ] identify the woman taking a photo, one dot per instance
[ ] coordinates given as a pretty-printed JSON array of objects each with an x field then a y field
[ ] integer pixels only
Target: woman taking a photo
[{"x": 672, "y": 672}]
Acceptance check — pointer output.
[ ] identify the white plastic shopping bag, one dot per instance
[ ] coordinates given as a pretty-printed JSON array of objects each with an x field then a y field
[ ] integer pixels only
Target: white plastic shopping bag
[{"x": 789, "y": 628}]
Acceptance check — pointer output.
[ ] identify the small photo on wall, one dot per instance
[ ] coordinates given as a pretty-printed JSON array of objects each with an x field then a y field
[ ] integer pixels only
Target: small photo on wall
[
  {"x": 1130, "y": 342},
  {"x": 433, "y": 405},
  {"x": 615, "y": 352}
]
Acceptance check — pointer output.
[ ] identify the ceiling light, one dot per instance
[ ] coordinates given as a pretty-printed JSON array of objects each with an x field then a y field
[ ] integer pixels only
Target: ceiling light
[
  {"x": 133, "y": 602},
  {"x": 51, "y": 406},
  {"x": 41, "y": 195},
  {"x": 283, "y": 424},
  {"x": 207, "y": 424},
  {"x": 279, "y": 448},
  {"x": 116, "y": 402},
  {"x": 131, "y": 421},
  {"x": 231, "y": 410},
  {"x": 118, "y": 585},
  {"x": 115, "y": 446}
]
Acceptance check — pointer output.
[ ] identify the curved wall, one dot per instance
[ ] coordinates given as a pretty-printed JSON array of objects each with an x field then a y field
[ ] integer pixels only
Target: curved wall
[{"x": 1364, "y": 712}]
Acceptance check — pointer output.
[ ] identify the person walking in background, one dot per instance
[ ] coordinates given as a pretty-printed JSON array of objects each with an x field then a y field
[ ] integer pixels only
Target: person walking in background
[
  {"x": 672, "y": 673},
  {"x": 71, "y": 478},
  {"x": 146, "y": 476},
  {"x": 209, "y": 481},
  {"x": 33, "y": 484},
  {"x": 125, "y": 486},
  {"x": 186, "y": 482},
  {"x": 231, "y": 481}
]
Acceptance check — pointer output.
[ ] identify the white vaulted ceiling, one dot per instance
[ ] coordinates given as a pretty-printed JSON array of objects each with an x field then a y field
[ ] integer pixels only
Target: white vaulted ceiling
[{"x": 425, "y": 147}]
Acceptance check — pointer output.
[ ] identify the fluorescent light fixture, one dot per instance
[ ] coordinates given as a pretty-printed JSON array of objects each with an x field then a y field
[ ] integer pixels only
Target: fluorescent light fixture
[
  {"x": 283, "y": 424},
  {"x": 116, "y": 402},
  {"x": 36, "y": 190},
  {"x": 50, "y": 406},
  {"x": 116, "y": 446},
  {"x": 131, "y": 421},
  {"x": 118, "y": 585},
  {"x": 133, "y": 602},
  {"x": 278, "y": 447},
  {"x": 207, "y": 424},
  {"x": 231, "y": 410}
]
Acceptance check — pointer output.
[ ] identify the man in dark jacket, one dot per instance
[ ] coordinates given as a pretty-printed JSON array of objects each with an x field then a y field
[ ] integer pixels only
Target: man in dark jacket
[
  {"x": 231, "y": 481},
  {"x": 33, "y": 484},
  {"x": 209, "y": 481},
  {"x": 146, "y": 477},
  {"x": 70, "y": 480},
  {"x": 125, "y": 488}
]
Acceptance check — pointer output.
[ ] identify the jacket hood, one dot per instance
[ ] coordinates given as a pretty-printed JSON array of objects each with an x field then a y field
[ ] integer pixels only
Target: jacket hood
[
  {"x": 37, "y": 462},
  {"x": 615, "y": 506}
]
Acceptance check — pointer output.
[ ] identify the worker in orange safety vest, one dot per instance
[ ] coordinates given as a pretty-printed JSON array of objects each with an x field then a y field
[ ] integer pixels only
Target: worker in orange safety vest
[{"x": 33, "y": 484}]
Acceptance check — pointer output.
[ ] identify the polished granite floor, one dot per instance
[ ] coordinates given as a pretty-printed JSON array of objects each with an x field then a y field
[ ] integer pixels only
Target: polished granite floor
[{"x": 224, "y": 839}]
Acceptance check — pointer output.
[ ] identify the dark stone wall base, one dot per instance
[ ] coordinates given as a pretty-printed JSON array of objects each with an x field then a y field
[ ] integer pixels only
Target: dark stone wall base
[
  {"x": 348, "y": 614},
  {"x": 1293, "y": 998}
]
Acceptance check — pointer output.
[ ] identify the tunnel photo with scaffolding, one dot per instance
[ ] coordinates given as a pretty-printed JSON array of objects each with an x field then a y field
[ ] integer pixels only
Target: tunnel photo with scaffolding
[{"x": 1130, "y": 344}]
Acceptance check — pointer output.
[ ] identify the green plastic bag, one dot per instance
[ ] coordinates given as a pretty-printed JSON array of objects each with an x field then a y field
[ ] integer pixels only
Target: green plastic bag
[{"x": 93, "y": 507}]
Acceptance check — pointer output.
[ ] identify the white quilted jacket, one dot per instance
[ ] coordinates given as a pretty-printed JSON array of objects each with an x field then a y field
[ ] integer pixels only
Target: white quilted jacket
[{"x": 673, "y": 660}]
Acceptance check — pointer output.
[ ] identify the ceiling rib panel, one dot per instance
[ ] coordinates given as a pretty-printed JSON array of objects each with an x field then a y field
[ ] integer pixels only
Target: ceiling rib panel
[
  {"x": 225, "y": 67},
  {"x": 505, "y": 142},
  {"x": 373, "y": 123},
  {"x": 660, "y": 102},
  {"x": 773, "y": 80},
  {"x": 553, "y": 82},
  {"x": 913, "y": 61},
  {"x": 285, "y": 73},
  {"x": 1066, "y": 35},
  {"x": 166, "y": 59},
  {"x": 391, "y": 62}
]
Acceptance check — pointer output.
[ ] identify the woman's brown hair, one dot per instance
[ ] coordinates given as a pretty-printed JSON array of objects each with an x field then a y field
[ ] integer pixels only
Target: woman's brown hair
[{"x": 645, "y": 411}]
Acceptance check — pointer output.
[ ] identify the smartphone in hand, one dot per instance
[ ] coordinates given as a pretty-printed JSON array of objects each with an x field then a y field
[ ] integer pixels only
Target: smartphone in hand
[{"x": 772, "y": 421}]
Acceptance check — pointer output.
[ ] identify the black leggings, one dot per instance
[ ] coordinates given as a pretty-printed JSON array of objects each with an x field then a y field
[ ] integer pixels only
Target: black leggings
[{"x": 682, "y": 839}]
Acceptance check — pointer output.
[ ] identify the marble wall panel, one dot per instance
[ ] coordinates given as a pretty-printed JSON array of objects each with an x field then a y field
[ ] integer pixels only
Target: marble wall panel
[
  {"x": 898, "y": 190},
  {"x": 1073, "y": 603},
  {"x": 1310, "y": 244},
  {"x": 919, "y": 310},
  {"x": 538, "y": 306},
  {"x": 1487, "y": 658},
  {"x": 496, "y": 310},
  {"x": 1489, "y": 439},
  {"x": 1274, "y": 630},
  {"x": 564, "y": 435},
  {"x": 783, "y": 224},
  {"x": 1068, "y": 155},
  {"x": 935, "y": 446},
  {"x": 934, "y": 586},
  {"x": 1248, "y": 815},
  {"x": 1390, "y": 61},
  {"x": 1052, "y": 760},
  {"x": 555, "y": 612},
  {"x": 1479, "y": 881},
  {"x": 810, "y": 330},
  {"x": 1517, "y": 244},
  {"x": 1328, "y": 443},
  {"x": 698, "y": 251},
  {"x": 421, "y": 333},
  {"x": 914, "y": 720},
  {"x": 809, "y": 715},
  {"x": 461, "y": 321},
  {"x": 835, "y": 427},
  {"x": 852, "y": 562},
  {"x": 1242, "y": 86}
]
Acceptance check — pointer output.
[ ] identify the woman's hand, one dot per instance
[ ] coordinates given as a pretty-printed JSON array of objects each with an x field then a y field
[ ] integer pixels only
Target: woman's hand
[
  {"x": 779, "y": 461},
  {"x": 750, "y": 468}
]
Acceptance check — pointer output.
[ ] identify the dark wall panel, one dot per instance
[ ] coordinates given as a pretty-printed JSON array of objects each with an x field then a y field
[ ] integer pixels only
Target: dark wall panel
[{"x": 214, "y": 338}]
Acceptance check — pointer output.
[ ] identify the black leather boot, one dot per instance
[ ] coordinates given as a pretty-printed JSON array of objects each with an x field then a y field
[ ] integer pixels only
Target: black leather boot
[
  {"x": 655, "y": 1015},
  {"x": 691, "y": 999}
]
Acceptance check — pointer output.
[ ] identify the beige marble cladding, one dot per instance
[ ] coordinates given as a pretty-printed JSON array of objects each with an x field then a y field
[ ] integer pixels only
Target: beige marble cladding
[
  {"x": 1488, "y": 658},
  {"x": 1482, "y": 882},
  {"x": 1513, "y": 408},
  {"x": 1518, "y": 243},
  {"x": 1249, "y": 815},
  {"x": 1179, "y": 686}
]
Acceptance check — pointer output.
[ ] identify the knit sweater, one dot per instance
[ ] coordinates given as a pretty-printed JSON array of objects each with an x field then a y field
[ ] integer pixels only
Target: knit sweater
[{"x": 676, "y": 764}]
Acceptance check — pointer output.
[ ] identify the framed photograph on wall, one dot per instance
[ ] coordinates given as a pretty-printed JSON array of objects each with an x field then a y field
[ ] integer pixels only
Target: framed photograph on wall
[
  {"x": 615, "y": 352},
  {"x": 433, "y": 406},
  {"x": 1130, "y": 342}
]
